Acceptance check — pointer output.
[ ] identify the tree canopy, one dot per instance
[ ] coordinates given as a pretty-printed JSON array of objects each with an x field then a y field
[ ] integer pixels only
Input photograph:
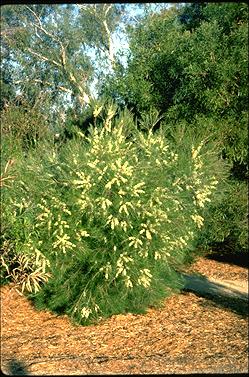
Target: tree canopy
[
  {"x": 191, "y": 62},
  {"x": 48, "y": 47}
]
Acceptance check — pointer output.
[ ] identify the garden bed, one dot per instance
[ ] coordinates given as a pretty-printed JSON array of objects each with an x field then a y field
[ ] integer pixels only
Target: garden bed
[{"x": 188, "y": 334}]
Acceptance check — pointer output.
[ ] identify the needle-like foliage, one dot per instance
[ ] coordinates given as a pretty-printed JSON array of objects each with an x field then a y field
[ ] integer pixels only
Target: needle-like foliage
[{"x": 110, "y": 217}]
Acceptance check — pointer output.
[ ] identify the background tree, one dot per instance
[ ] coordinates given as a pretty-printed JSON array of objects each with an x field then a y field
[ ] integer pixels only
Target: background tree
[
  {"x": 46, "y": 46},
  {"x": 190, "y": 63},
  {"x": 59, "y": 53},
  {"x": 53, "y": 47}
]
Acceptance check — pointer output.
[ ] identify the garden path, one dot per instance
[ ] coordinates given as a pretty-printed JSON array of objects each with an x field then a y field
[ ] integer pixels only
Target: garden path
[{"x": 227, "y": 288}]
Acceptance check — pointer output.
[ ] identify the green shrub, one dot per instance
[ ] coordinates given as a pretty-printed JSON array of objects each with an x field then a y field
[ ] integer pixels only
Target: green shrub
[
  {"x": 111, "y": 217},
  {"x": 226, "y": 225},
  {"x": 24, "y": 123},
  {"x": 24, "y": 176}
]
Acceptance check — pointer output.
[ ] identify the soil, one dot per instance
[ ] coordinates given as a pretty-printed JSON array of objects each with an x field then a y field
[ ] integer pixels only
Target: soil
[{"x": 191, "y": 333}]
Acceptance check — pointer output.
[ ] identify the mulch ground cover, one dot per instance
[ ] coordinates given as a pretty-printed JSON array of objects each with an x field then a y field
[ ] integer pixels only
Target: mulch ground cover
[{"x": 189, "y": 334}]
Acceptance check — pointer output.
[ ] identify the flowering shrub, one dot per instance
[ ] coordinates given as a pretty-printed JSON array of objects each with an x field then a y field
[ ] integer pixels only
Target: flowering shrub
[{"x": 118, "y": 215}]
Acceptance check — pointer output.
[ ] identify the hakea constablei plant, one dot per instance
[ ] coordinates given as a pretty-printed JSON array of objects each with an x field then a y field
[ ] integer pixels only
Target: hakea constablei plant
[{"x": 121, "y": 214}]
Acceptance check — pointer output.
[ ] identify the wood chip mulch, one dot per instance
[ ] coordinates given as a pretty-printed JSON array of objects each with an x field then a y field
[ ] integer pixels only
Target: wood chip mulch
[{"x": 189, "y": 334}]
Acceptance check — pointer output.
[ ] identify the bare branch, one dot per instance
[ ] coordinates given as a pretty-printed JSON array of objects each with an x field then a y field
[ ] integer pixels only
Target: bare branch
[
  {"x": 62, "y": 88},
  {"x": 34, "y": 14},
  {"x": 44, "y": 58},
  {"x": 110, "y": 44},
  {"x": 108, "y": 9},
  {"x": 39, "y": 26},
  {"x": 63, "y": 55},
  {"x": 47, "y": 83}
]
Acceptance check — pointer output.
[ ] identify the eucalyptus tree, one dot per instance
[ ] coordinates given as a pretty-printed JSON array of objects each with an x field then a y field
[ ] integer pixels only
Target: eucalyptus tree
[
  {"x": 98, "y": 23},
  {"x": 46, "y": 50},
  {"x": 57, "y": 49}
]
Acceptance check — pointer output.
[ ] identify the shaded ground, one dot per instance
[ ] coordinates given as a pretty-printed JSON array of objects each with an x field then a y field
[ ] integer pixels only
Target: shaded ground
[
  {"x": 189, "y": 334},
  {"x": 231, "y": 258}
]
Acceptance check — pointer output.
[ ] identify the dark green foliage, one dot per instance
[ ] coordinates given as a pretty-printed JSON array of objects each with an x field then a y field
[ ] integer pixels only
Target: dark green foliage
[
  {"x": 226, "y": 227},
  {"x": 185, "y": 77},
  {"x": 192, "y": 15}
]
